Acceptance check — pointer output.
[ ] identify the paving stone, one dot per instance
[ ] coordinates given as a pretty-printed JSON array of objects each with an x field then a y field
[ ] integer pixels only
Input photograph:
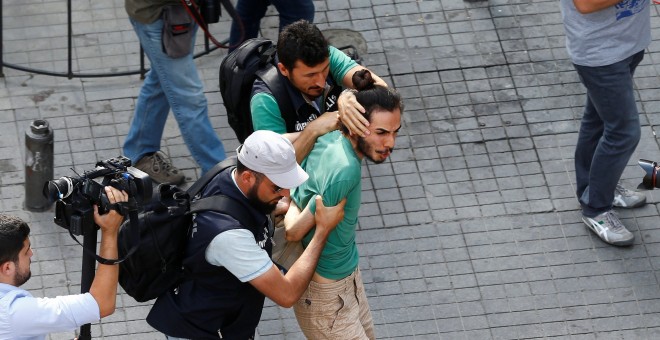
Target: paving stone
[{"x": 470, "y": 231}]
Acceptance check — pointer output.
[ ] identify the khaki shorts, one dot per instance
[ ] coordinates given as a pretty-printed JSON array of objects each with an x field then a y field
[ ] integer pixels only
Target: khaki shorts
[{"x": 337, "y": 310}]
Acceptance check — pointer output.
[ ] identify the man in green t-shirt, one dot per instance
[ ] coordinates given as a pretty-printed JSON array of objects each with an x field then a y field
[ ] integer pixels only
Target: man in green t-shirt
[
  {"x": 334, "y": 305},
  {"x": 316, "y": 74}
]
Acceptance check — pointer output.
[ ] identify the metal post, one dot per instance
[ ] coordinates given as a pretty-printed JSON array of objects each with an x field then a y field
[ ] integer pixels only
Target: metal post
[
  {"x": 2, "y": 61},
  {"x": 69, "y": 39},
  {"x": 38, "y": 164}
]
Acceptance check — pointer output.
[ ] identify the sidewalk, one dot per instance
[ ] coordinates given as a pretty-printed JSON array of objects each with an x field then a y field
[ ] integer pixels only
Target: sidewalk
[{"x": 470, "y": 231}]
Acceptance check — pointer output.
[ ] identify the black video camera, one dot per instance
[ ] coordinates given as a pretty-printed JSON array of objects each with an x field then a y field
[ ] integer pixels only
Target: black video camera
[{"x": 76, "y": 196}]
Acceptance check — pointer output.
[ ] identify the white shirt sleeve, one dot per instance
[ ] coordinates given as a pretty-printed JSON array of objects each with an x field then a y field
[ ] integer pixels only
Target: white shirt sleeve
[
  {"x": 237, "y": 250},
  {"x": 38, "y": 316}
]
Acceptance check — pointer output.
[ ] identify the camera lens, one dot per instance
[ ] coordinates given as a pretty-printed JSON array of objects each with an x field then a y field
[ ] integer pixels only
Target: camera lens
[
  {"x": 58, "y": 189},
  {"x": 651, "y": 168}
]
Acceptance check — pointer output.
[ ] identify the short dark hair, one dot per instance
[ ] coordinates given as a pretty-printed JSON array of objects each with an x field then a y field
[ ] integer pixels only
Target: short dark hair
[
  {"x": 240, "y": 167},
  {"x": 374, "y": 97},
  {"x": 13, "y": 233},
  {"x": 302, "y": 41}
]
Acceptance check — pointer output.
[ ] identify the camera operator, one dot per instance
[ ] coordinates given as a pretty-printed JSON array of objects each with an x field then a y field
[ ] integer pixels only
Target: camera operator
[{"x": 21, "y": 314}]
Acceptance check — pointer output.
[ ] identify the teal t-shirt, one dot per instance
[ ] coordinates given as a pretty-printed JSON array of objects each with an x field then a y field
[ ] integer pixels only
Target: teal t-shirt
[
  {"x": 334, "y": 173},
  {"x": 266, "y": 114}
]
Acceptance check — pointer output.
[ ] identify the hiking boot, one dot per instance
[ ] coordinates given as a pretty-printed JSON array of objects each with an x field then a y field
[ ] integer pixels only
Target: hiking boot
[
  {"x": 609, "y": 228},
  {"x": 625, "y": 198},
  {"x": 160, "y": 169}
]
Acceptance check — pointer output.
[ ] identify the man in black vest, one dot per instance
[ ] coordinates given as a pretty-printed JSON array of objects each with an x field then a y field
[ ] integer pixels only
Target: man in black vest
[
  {"x": 230, "y": 267},
  {"x": 315, "y": 75}
]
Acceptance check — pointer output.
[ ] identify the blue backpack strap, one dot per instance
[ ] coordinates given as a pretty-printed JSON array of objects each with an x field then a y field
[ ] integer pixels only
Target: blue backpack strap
[
  {"x": 226, "y": 205},
  {"x": 208, "y": 176},
  {"x": 219, "y": 203}
]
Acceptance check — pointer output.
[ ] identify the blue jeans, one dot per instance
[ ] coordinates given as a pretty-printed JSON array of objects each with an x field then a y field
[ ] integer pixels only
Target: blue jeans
[
  {"x": 252, "y": 11},
  {"x": 171, "y": 84},
  {"x": 609, "y": 132}
]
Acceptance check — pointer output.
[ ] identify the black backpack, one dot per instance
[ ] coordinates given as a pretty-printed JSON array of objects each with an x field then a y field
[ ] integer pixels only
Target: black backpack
[
  {"x": 254, "y": 58},
  {"x": 154, "y": 247}
]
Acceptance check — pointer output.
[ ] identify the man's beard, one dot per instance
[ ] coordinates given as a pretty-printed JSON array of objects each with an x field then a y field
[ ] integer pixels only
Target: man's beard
[
  {"x": 367, "y": 150},
  {"x": 264, "y": 207},
  {"x": 306, "y": 91},
  {"x": 21, "y": 278}
]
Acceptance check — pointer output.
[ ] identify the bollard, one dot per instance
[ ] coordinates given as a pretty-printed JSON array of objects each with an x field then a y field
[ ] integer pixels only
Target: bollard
[{"x": 38, "y": 164}]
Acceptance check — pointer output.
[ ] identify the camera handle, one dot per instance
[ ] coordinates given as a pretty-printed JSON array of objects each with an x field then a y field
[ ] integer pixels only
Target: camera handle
[{"x": 128, "y": 208}]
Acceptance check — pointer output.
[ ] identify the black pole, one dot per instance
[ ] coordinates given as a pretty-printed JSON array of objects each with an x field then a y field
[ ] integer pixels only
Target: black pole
[
  {"x": 207, "y": 46},
  {"x": 2, "y": 61},
  {"x": 69, "y": 39},
  {"x": 88, "y": 272}
]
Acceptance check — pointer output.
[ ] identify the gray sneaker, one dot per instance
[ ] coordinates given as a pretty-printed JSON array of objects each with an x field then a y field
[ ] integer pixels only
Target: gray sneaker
[
  {"x": 625, "y": 198},
  {"x": 160, "y": 169},
  {"x": 609, "y": 228}
]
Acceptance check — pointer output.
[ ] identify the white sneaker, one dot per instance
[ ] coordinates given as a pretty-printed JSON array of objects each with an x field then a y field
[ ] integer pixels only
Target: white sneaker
[
  {"x": 625, "y": 198},
  {"x": 609, "y": 228}
]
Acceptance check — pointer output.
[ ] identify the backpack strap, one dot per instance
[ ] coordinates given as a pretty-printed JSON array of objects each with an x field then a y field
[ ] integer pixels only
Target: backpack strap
[
  {"x": 223, "y": 204},
  {"x": 267, "y": 54},
  {"x": 208, "y": 176},
  {"x": 220, "y": 203},
  {"x": 276, "y": 83}
]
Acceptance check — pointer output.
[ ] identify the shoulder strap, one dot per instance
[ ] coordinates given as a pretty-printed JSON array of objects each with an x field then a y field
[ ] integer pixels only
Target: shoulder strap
[
  {"x": 220, "y": 203},
  {"x": 206, "y": 178},
  {"x": 225, "y": 205},
  {"x": 265, "y": 47},
  {"x": 275, "y": 82}
]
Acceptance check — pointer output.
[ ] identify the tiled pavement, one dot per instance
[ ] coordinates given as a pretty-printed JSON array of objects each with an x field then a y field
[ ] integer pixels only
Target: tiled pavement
[{"x": 471, "y": 231}]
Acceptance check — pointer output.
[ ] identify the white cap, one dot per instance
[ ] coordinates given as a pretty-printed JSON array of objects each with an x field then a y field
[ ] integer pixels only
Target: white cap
[{"x": 273, "y": 155}]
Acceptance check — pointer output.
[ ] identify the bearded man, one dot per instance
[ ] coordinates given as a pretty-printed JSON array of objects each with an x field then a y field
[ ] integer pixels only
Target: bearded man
[
  {"x": 335, "y": 306},
  {"x": 228, "y": 265}
]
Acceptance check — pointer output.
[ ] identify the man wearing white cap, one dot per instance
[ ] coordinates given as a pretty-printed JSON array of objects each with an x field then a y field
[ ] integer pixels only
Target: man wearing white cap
[{"x": 230, "y": 270}]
